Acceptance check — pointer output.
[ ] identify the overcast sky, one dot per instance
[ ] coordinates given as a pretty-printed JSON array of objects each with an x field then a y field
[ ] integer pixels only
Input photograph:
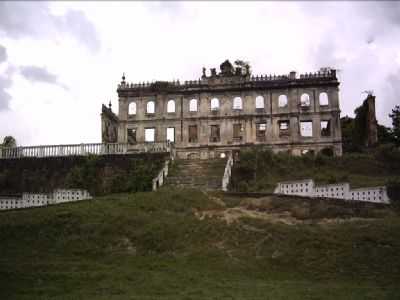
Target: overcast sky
[{"x": 60, "y": 61}]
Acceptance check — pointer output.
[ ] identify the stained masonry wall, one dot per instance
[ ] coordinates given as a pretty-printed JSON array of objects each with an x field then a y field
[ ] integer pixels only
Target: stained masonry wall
[{"x": 249, "y": 116}]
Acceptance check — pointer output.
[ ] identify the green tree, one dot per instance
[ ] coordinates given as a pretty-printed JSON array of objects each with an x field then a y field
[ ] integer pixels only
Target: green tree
[
  {"x": 9, "y": 141},
  {"x": 395, "y": 116}
]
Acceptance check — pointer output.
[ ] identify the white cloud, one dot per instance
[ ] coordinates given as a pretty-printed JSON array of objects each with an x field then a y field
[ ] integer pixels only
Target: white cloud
[{"x": 92, "y": 43}]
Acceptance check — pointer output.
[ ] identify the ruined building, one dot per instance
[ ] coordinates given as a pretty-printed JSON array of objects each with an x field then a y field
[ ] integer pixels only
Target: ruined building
[
  {"x": 229, "y": 110},
  {"x": 371, "y": 138}
]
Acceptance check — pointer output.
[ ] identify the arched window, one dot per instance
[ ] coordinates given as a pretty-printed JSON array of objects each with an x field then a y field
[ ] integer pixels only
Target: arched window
[
  {"x": 132, "y": 108},
  {"x": 323, "y": 99},
  {"x": 259, "y": 102},
  {"x": 237, "y": 103},
  {"x": 305, "y": 100},
  {"x": 282, "y": 101},
  {"x": 214, "y": 104},
  {"x": 150, "y": 107},
  {"x": 171, "y": 106},
  {"x": 193, "y": 105}
]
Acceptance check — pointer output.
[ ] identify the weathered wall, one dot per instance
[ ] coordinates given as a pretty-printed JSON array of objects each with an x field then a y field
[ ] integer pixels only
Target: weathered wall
[
  {"x": 97, "y": 174},
  {"x": 226, "y": 88}
]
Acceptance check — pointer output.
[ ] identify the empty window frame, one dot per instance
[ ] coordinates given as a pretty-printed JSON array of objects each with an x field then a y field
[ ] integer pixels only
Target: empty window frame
[
  {"x": 131, "y": 132},
  {"x": 193, "y": 134},
  {"x": 326, "y": 128},
  {"x": 132, "y": 108},
  {"x": 306, "y": 128},
  {"x": 214, "y": 104},
  {"x": 259, "y": 102},
  {"x": 149, "y": 135},
  {"x": 261, "y": 129},
  {"x": 150, "y": 107},
  {"x": 171, "y": 134},
  {"x": 237, "y": 131},
  {"x": 214, "y": 136},
  {"x": 323, "y": 99},
  {"x": 283, "y": 127},
  {"x": 237, "y": 103},
  {"x": 193, "y": 105},
  {"x": 171, "y": 106},
  {"x": 282, "y": 101},
  {"x": 305, "y": 100}
]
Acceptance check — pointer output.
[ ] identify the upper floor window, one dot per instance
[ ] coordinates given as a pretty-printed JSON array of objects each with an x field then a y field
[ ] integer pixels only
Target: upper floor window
[
  {"x": 237, "y": 103},
  {"x": 193, "y": 105},
  {"x": 214, "y": 104},
  {"x": 259, "y": 102},
  {"x": 171, "y": 106},
  {"x": 132, "y": 108},
  {"x": 282, "y": 101},
  {"x": 150, "y": 108},
  {"x": 323, "y": 99},
  {"x": 305, "y": 100}
]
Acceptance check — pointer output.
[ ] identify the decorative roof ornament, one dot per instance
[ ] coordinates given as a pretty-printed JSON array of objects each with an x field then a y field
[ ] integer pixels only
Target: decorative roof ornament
[{"x": 109, "y": 105}]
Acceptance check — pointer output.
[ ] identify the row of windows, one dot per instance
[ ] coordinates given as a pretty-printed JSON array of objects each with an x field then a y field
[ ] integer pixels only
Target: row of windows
[
  {"x": 238, "y": 129},
  {"x": 237, "y": 103}
]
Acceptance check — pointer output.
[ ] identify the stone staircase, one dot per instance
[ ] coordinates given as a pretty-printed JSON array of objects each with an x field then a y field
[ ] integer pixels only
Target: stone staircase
[{"x": 201, "y": 174}]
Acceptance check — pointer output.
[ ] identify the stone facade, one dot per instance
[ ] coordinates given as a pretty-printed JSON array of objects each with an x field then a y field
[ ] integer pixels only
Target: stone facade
[
  {"x": 231, "y": 110},
  {"x": 307, "y": 188}
]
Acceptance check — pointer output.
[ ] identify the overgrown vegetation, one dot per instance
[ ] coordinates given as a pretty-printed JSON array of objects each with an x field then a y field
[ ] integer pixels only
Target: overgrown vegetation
[
  {"x": 154, "y": 246},
  {"x": 100, "y": 175},
  {"x": 260, "y": 169}
]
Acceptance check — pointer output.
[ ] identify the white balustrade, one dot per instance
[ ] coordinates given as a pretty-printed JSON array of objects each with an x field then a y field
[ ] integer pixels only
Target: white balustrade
[{"x": 83, "y": 149}]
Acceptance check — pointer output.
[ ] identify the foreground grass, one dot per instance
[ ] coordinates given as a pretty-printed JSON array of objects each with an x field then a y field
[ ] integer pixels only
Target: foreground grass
[{"x": 152, "y": 246}]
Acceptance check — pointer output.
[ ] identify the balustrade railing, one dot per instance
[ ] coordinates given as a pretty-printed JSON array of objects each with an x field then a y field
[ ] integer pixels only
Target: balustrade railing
[{"x": 83, "y": 149}]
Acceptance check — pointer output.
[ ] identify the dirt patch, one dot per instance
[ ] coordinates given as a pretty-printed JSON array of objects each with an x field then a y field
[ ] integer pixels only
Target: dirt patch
[
  {"x": 270, "y": 210},
  {"x": 232, "y": 215}
]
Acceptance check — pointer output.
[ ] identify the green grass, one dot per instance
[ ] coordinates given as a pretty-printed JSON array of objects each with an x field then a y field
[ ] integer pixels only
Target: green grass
[
  {"x": 152, "y": 246},
  {"x": 260, "y": 170}
]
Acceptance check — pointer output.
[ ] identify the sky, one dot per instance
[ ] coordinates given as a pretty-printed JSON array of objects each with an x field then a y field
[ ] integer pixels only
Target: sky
[{"x": 59, "y": 61}]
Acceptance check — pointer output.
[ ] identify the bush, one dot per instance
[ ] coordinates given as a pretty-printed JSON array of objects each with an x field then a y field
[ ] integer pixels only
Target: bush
[{"x": 393, "y": 191}]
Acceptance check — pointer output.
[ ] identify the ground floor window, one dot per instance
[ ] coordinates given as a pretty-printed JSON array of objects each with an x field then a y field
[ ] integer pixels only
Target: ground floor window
[
  {"x": 149, "y": 134},
  {"x": 306, "y": 128},
  {"x": 237, "y": 131},
  {"x": 192, "y": 133},
  {"x": 214, "y": 137},
  {"x": 325, "y": 128},
  {"x": 131, "y": 136},
  {"x": 171, "y": 134},
  {"x": 283, "y": 127},
  {"x": 261, "y": 129}
]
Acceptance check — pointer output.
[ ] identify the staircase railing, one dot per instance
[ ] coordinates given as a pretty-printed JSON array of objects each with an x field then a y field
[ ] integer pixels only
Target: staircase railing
[
  {"x": 227, "y": 173},
  {"x": 158, "y": 181}
]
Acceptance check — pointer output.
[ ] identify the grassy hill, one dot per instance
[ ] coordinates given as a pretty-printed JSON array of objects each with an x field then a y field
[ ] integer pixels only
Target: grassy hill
[
  {"x": 185, "y": 244},
  {"x": 260, "y": 170}
]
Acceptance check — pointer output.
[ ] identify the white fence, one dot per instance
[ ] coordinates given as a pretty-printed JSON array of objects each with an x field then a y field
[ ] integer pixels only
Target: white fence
[
  {"x": 158, "y": 181},
  {"x": 83, "y": 149},
  {"x": 307, "y": 188},
  {"x": 41, "y": 199}
]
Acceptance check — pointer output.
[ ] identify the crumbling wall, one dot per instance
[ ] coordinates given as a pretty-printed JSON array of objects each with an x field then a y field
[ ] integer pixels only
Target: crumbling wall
[{"x": 109, "y": 125}]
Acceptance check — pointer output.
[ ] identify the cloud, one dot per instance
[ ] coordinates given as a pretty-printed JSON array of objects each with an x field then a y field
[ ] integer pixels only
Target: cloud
[
  {"x": 35, "y": 20},
  {"x": 3, "y": 54},
  {"x": 392, "y": 93},
  {"x": 5, "y": 97},
  {"x": 39, "y": 74}
]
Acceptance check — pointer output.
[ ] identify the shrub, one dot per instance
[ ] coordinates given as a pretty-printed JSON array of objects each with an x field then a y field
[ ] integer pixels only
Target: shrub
[{"x": 393, "y": 191}]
